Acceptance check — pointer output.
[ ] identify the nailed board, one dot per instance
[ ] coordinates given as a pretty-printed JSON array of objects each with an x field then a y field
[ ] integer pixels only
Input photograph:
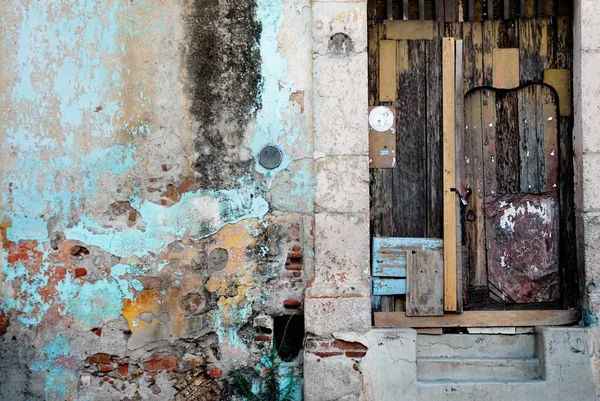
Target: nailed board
[
  {"x": 481, "y": 319},
  {"x": 382, "y": 137}
]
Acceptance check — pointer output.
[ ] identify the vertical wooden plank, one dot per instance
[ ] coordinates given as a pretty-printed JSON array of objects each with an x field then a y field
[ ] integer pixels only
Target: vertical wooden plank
[
  {"x": 405, "y": 9},
  {"x": 421, "y": 9},
  {"x": 387, "y": 71},
  {"x": 507, "y": 35},
  {"x": 536, "y": 48},
  {"x": 468, "y": 56},
  {"x": 375, "y": 34},
  {"x": 425, "y": 283},
  {"x": 488, "y": 109},
  {"x": 459, "y": 146},
  {"x": 507, "y": 141},
  {"x": 430, "y": 10},
  {"x": 440, "y": 14},
  {"x": 478, "y": 11},
  {"x": 449, "y": 149},
  {"x": 490, "y": 9},
  {"x": 477, "y": 36},
  {"x": 549, "y": 157},
  {"x": 506, "y": 9},
  {"x": 471, "y": 11},
  {"x": 489, "y": 44},
  {"x": 529, "y": 8},
  {"x": 410, "y": 173},
  {"x": 413, "y": 10},
  {"x": 434, "y": 139},
  {"x": 460, "y": 12},
  {"x": 451, "y": 9},
  {"x": 548, "y": 8},
  {"x": 390, "y": 9},
  {"x": 564, "y": 8},
  {"x": 528, "y": 139},
  {"x": 563, "y": 57},
  {"x": 477, "y": 227}
]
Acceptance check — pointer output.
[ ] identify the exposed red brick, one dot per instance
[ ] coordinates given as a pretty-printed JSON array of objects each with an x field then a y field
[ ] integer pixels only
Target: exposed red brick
[
  {"x": 106, "y": 367},
  {"x": 4, "y": 323},
  {"x": 296, "y": 248},
  {"x": 186, "y": 184},
  {"x": 328, "y": 354},
  {"x": 310, "y": 345},
  {"x": 292, "y": 303},
  {"x": 325, "y": 344},
  {"x": 124, "y": 369},
  {"x": 349, "y": 345},
  {"x": 162, "y": 361},
  {"x": 262, "y": 338},
  {"x": 165, "y": 167},
  {"x": 99, "y": 358},
  {"x": 80, "y": 272},
  {"x": 106, "y": 379},
  {"x": 214, "y": 372},
  {"x": 132, "y": 216},
  {"x": 97, "y": 331},
  {"x": 355, "y": 354},
  {"x": 294, "y": 255},
  {"x": 163, "y": 202},
  {"x": 355, "y": 367},
  {"x": 294, "y": 266}
]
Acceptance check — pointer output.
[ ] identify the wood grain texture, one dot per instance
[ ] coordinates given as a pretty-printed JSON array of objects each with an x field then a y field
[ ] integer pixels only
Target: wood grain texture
[
  {"x": 410, "y": 30},
  {"x": 507, "y": 142},
  {"x": 563, "y": 56},
  {"x": 449, "y": 163},
  {"x": 434, "y": 197},
  {"x": 459, "y": 146},
  {"x": 481, "y": 319},
  {"x": 425, "y": 283},
  {"x": 409, "y": 195},
  {"x": 488, "y": 111},
  {"x": 528, "y": 139},
  {"x": 506, "y": 68},
  {"x": 489, "y": 44},
  {"x": 387, "y": 71},
  {"x": 536, "y": 48}
]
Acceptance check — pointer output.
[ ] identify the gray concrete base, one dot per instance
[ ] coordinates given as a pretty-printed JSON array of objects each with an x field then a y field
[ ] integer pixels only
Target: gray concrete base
[{"x": 561, "y": 355}]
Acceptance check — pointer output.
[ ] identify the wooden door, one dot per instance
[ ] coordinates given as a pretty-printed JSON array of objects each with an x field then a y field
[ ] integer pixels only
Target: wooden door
[{"x": 511, "y": 165}]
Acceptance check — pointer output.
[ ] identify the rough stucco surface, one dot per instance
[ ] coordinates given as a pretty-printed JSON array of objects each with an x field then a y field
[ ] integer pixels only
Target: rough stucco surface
[{"x": 142, "y": 241}]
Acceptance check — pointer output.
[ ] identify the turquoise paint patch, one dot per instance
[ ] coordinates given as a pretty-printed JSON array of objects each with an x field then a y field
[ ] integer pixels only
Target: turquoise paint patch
[
  {"x": 270, "y": 126},
  {"x": 59, "y": 366},
  {"x": 198, "y": 214}
]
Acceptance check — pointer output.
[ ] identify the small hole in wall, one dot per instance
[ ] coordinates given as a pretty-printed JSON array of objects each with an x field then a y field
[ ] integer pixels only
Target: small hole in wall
[
  {"x": 78, "y": 250},
  {"x": 288, "y": 336}
]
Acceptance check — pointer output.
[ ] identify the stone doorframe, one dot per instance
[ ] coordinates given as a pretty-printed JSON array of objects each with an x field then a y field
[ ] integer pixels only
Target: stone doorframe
[{"x": 337, "y": 303}]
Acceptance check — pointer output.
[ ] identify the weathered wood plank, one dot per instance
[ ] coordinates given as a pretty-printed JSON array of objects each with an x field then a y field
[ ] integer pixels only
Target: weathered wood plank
[
  {"x": 548, "y": 7},
  {"x": 507, "y": 142},
  {"x": 528, "y": 139},
  {"x": 536, "y": 48},
  {"x": 388, "y": 261},
  {"x": 451, "y": 10},
  {"x": 389, "y": 286},
  {"x": 488, "y": 109},
  {"x": 474, "y": 161},
  {"x": 459, "y": 146},
  {"x": 489, "y": 44},
  {"x": 425, "y": 283},
  {"x": 564, "y": 8},
  {"x": 528, "y": 9},
  {"x": 506, "y": 68},
  {"x": 387, "y": 71},
  {"x": 449, "y": 163},
  {"x": 481, "y": 319},
  {"x": 549, "y": 118},
  {"x": 410, "y": 30},
  {"x": 390, "y": 9},
  {"x": 421, "y": 9},
  {"x": 563, "y": 56},
  {"x": 440, "y": 10},
  {"x": 409, "y": 193},
  {"x": 477, "y": 37},
  {"x": 434, "y": 198},
  {"x": 506, "y": 34},
  {"x": 477, "y": 11}
]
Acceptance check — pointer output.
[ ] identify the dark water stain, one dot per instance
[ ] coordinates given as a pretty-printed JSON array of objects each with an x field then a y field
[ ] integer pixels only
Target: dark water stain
[{"x": 224, "y": 81}]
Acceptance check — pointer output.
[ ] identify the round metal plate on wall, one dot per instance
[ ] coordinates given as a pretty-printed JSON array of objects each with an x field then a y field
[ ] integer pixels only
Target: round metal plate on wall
[
  {"x": 381, "y": 119},
  {"x": 270, "y": 157}
]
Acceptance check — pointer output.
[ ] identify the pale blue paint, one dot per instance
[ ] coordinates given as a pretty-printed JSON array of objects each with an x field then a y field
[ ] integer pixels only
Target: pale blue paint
[
  {"x": 389, "y": 286},
  {"x": 164, "y": 225},
  {"x": 61, "y": 380},
  {"x": 402, "y": 243}
]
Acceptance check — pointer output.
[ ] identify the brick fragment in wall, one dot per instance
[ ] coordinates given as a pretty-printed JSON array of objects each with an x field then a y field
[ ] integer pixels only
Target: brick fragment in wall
[
  {"x": 195, "y": 385},
  {"x": 4, "y": 323},
  {"x": 162, "y": 361},
  {"x": 325, "y": 349}
]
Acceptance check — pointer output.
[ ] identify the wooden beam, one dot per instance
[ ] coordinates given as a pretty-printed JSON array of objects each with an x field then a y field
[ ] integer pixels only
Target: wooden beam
[
  {"x": 410, "y": 30},
  {"x": 387, "y": 71},
  {"x": 449, "y": 165},
  {"x": 480, "y": 319},
  {"x": 460, "y": 109}
]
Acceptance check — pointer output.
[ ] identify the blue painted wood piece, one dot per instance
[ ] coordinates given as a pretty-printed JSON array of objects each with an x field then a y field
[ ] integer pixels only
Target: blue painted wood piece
[
  {"x": 389, "y": 254},
  {"x": 389, "y": 286}
]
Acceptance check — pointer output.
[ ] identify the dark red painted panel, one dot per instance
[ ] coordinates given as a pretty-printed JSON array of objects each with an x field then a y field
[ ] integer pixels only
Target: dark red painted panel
[{"x": 522, "y": 241}]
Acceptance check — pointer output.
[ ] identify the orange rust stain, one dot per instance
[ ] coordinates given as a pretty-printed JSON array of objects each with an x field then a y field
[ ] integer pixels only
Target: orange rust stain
[{"x": 154, "y": 302}]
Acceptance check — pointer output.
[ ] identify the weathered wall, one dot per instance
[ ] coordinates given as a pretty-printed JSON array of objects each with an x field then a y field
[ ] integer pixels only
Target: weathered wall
[{"x": 144, "y": 246}]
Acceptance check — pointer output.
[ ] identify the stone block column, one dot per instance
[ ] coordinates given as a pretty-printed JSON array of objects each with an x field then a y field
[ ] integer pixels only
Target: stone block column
[{"x": 338, "y": 300}]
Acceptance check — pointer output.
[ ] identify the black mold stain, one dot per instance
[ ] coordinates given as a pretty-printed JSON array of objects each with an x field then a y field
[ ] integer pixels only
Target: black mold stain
[{"x": 223, "y": 65}]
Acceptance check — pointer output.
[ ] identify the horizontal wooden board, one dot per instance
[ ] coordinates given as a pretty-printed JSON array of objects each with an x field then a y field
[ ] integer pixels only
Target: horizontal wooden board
[
  {"x": 481, "y": 319},
  {"x": 389, "y": 286},
  {"x": 410, "y": 30}
]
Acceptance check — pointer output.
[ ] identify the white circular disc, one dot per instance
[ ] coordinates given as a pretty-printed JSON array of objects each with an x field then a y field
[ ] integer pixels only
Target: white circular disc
[{"x": 381, "y": 119}]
